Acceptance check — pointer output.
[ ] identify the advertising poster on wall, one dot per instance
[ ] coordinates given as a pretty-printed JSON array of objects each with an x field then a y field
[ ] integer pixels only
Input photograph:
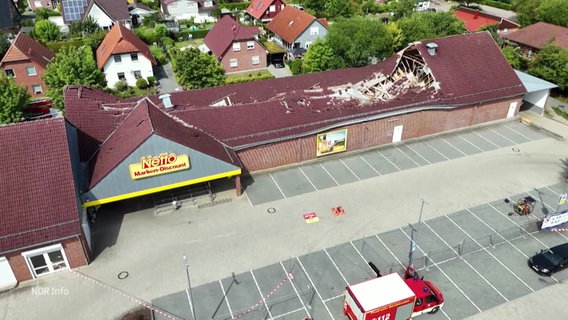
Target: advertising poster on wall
[{"x": 331, "y": 142}]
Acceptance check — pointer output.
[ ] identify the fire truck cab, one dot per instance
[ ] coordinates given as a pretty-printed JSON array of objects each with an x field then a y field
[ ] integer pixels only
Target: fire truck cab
[{"x": 391, "y": 297}]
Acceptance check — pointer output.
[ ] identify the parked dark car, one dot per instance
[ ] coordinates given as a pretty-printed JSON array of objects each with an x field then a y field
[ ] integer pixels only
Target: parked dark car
[{"x": 550, "y": 261}]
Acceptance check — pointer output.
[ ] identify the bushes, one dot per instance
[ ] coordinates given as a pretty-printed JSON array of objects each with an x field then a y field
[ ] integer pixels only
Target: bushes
[
  {"x": 151, "y": 81},
  {"x": 121, "y": 86},
  {"x": 159, "y": 55},
  {"x": 295, "y": 66},
  {"x": 141, "y": 83},
  {"x": 249, "y": 77}
]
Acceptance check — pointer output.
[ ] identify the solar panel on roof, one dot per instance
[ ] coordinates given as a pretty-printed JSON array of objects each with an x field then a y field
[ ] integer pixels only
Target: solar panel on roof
[{"x": 73, "y": 9}]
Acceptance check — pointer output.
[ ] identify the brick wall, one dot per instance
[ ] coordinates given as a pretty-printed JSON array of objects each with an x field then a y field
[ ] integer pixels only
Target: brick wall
[
  {"x": 19, "y": 266},
  {"x": 244, "y": 58},
  {"x": 22, "y": 77},
  {"x": 376, "y": 133}
]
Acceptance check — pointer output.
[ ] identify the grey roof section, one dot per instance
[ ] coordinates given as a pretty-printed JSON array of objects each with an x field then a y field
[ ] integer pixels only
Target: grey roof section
[
  {"x": 9, "y": 15},
  {"x": 534, "y": 84}
]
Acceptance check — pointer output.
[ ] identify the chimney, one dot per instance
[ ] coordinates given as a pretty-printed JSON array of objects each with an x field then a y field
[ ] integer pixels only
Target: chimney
[
  {"x": 476, "y": 14},
  {"x": 166, "y": 101},
  {"x": 432, "y": 48}
]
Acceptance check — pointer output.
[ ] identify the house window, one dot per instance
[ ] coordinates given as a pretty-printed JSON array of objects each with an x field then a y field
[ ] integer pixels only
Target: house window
[
  {"x": 117, "y": 58},
  {"x": 36, "y": 88},
  {"x": 255, "y": 60},
  {"x": 308, "y": 44},
  {"x": 31, "y": 70},
  {"x": 121, "y": 76},
  {"x": 250, "y": 45},
  {"x": 314, "y": 31},
  {"x": 134, "y": 56},
  {"x": 233, "y": 63},
  {"x": 237, "y": 46},
  {"x": 137, "y": 74},
  {"x": 10, "y": 73},
  {"x": 46, "y": 260},
  {"x": 272, "y": 8}
]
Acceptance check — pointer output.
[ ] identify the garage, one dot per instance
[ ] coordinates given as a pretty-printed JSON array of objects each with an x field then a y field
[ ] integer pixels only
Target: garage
[{"x": 538, "y": 91}]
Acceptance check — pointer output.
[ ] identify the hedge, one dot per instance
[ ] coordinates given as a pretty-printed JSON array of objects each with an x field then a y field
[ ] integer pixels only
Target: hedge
[
  {"x": 250, "y": 78},
  {"x": 57, "y": 46},
  {"x": 235, "y": 6}
]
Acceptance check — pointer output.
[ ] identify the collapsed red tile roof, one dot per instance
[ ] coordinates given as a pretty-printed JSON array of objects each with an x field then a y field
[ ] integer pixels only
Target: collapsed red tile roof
[
  {"x": 27, "y": 48},
  {"x": 468, "y": 69},
  {"x": 538, "y": 34},
  {"x": 225, "y": 32},
  {"x": 141, "y": 123},
  {"x": 121, "y": 40},
  {"x": 257, "y": 8},
  {"x": 37, "y": 190},
  {"x": 290, "y": 23}
]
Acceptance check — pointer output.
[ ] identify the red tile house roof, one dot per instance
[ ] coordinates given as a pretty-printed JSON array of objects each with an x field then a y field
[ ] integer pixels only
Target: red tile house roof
[
  {"x": 262, "y": 112},
  {"x": 539, "y": 34},
  {"x": 143, "y": 121},
  {"x": 225, "y": 32},
  {"x": 290, "y": 23},
  {"x": 257, "y": 8},
  {"x": 27, "y": 48},
  {"x": 475, "y": 19},
  {"x": 121, "y": 40},
  {"x": 38, "y": 194}
]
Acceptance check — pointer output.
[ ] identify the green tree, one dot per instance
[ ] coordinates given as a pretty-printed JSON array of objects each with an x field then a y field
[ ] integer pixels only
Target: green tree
[
  {"x": 4, "y": 45},
  {"x": 320, "y": 57},
  {"x": 150, "y": 20},
  {"x": 514, "y": 57},
  {"x": 195, "y": 70},
  {"x": 553, "y": 11},
  {"x": 71, "y": 66},
  {"x": 427, "y": 25},
  {"x": 339, "y": 8},
  {"x": 315, "y": 7},
  {"x": 42, "y": 14},
  {"x": 358, "y": 40},
  {"x": 13, "y": 100},
  {"x": 526, "y": 11},
  {"x": 402, "y": 8},
  {"x": 493, "y": 30},
  {"x": 551, "y": 64},
  {"x": 46, "y": 31},
  {"x": 85, "y": 28},
  {"x": 396, "y": 34}
]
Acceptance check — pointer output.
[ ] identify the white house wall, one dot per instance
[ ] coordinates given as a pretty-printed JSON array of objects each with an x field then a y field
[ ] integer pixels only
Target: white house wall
[
  {"x": 537, "y": 98},
  {"x": 100, "y": 17},
  {"x": 112, "y": 68},
  {"x": 183, "y": 7}
]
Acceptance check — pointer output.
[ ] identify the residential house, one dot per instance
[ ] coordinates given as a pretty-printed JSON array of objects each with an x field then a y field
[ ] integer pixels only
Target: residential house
[
  {"x": 9, "y": 17},
  {"x": 235, "y": 46},
  {"x": 26, "y": 61},
  {"x": 46, "y": 4},
  {"x": 105, "y": 12},
  {"x": 124, "y": 56},
  {"x": 198, "y": 10},
  {"x": 474, "y": 20},
  {"x": 532, "y": 38},
  {"x": 138, "y": 11},
  {"x": 295, "y": 30},
  {"x": 43, "y": 228},
  {"x": 265, "y": 10}
]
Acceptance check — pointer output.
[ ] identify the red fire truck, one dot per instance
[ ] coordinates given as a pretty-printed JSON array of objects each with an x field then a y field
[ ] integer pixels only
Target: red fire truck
[{"x": 391, "y": 297}]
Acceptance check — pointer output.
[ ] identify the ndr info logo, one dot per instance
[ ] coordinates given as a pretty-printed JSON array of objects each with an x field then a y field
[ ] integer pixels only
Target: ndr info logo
[{"x": 50, "y": 291}]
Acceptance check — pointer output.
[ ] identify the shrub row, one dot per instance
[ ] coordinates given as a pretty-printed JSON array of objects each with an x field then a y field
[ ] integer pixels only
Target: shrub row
[{"x": 251, "y": 77}]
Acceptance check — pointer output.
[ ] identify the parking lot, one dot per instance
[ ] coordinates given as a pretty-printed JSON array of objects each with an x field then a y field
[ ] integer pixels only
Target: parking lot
[
  {"x": 477, "y": 257},
  {"x": 282, "y": 184}
]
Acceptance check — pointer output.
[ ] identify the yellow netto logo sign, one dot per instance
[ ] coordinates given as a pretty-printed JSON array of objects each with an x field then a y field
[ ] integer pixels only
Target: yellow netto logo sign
[{"x": 152, "y": 166}]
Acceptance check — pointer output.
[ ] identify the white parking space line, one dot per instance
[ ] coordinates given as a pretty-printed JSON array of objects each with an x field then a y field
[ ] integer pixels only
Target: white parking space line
[
  {"x": 346, "y": 166},
  {"x": 389, "y": 250},
  {"x": 336, "y": 297},
  {"x": 482, "y": 137},
  {"x": 448, "y": 277},
  {"x": 513, "y": 142},
  {"x": 261, "y": 295},
  {"x": 305, "y": 175},
  {"x": 361, "y": 255},
  {"x": 332, "y": 178},
  {"x": 277, "y": 186},
  {"x": 397, "y": 168},
  {"x": 313, "y": 286},
  {"x": 519, "y": 133},
  {"x": 418, "y": 153},
  {"x": 296, "y": 290},
  {"x": 336, "y": 267},
  {"x": 473, "y": 144},
  {"x": 426, "y": 142},
  {"x": 489, "y": 253},
  {"x": 226, "y": 299},
  {"x": 451, "y": 145},
  {"x": 416, "y": 163},
  {"x": 553, "y": 209},
  {"x": 367, "y": 162},
  {"x": 287, "y": 313},
  {"x": 250, "y": 202}
]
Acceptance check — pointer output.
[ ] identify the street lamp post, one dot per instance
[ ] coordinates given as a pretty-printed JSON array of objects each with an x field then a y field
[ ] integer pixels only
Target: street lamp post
[
  {"x": 188, "y": 291},
  {"x": 417, "y": 230}
]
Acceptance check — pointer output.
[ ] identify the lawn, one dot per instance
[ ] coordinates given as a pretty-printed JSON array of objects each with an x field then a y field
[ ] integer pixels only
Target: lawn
[
  {"x": 194, "y": 43},
  {"x": 248, "y": 74}
]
